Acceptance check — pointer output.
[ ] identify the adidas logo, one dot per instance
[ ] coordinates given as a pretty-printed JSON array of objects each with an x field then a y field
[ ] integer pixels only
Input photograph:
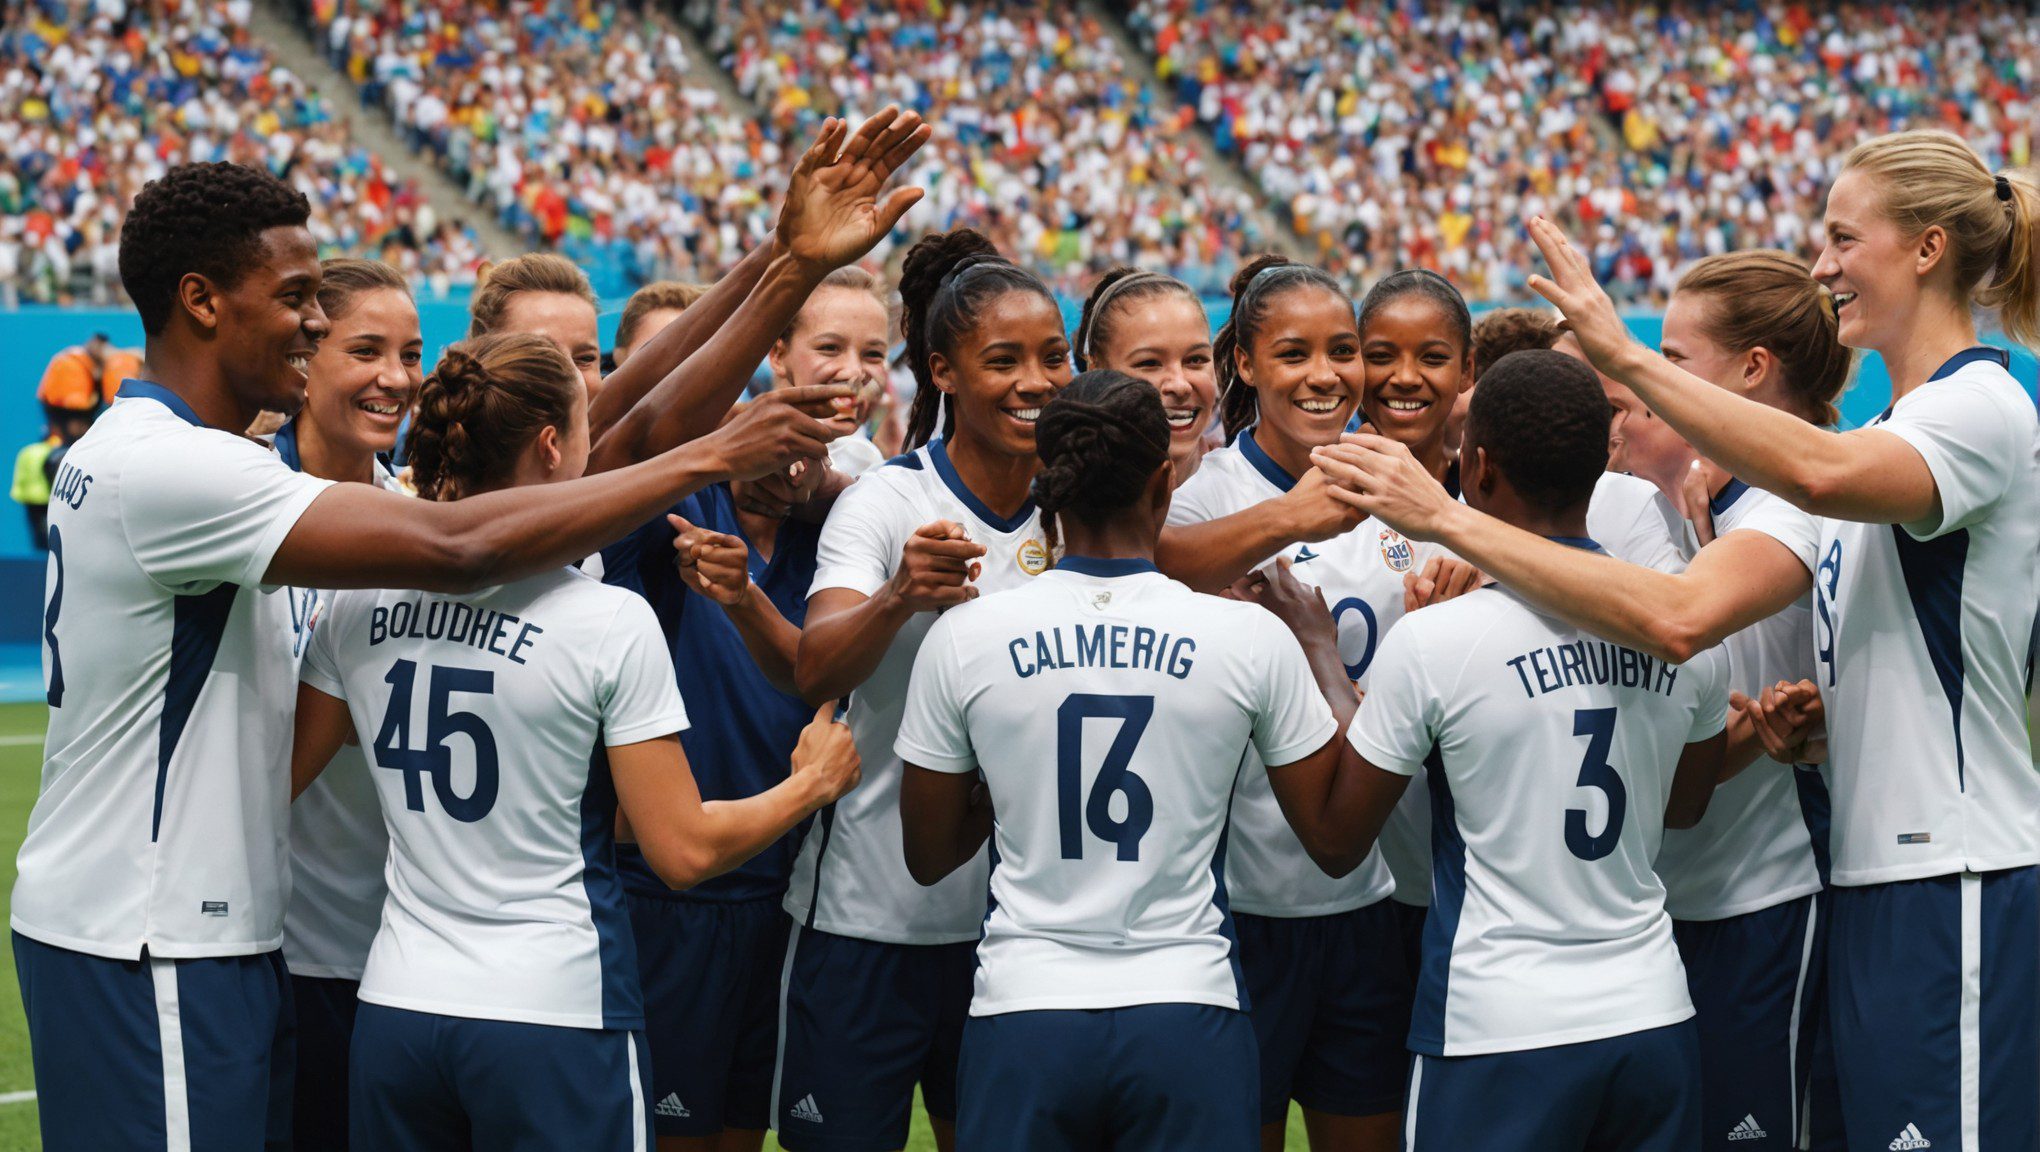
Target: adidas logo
[
  {"x": 1910, "y": 1138},
  {"x": 1747, "y": 1130},
  {"x": 672, "y": 1107},
  {"x": 806, "y": 1110}
]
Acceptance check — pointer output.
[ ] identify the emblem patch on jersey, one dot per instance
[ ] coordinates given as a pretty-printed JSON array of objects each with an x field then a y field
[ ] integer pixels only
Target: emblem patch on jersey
[
  {"x": 1033, "y": 557},
  {"x": 1915, "y": 837},
  {"x": 1396, "y": 551},
  {"x": 212, "y": 907}
]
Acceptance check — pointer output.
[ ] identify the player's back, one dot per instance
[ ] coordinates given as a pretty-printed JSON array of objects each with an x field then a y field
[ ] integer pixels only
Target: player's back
[
  {"x": 1110, "y": 710},
  {"x": 484, "y": 716},
  {"x": 1549, "y": 755}
]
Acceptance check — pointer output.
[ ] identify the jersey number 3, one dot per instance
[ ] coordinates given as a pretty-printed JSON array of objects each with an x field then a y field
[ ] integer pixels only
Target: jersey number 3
[
  {"x": 393, "y": 743},
  {"x": 1075, "y": 810},
  {"x": 1598, "y": 726}
]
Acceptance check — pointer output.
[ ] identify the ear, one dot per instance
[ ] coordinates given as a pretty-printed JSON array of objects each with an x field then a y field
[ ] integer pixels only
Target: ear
[
  {"x": 776, "y": 358},
  {"x": 1758, "y": 365},
  {"x": 1931, "y": 250},
  {"x": 200, "y": 300},
  {"x": 547, "y": 447},
  {"x": 941, "y": 373},
  {"x": 1243, "y": 366},
  {"x": 1481, "y": 477},
  {"x": 1161, "y": 486}
]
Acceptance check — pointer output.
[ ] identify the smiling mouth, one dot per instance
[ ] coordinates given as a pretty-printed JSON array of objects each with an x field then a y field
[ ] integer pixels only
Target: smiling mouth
[
  {"x": 385, "y": 408},
  {"x": 301, "y": 363},
  {"x": 1321, "y": 406},
  {"x": 1843, "y": 300},
  {"x": 1024, "y": 415},
  {"x": 1180, "y": 418},
  {"x": 1405, "y": 405}
]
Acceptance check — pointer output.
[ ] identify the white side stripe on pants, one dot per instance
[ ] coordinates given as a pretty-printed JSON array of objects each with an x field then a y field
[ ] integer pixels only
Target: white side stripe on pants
[
  {"x": 1972, "y": 1010},
  {"x": 1410, "y": 1117},
  {"x": 779, "y": 1053},
  {"x": 1802, "y": 1109},
  {"x": 638, "y": 1119},
  {"x": 170, "y": 1034}
]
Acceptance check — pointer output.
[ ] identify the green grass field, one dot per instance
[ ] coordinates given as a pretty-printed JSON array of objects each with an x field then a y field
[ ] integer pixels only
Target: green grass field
[{"x": 21, "y": 727}]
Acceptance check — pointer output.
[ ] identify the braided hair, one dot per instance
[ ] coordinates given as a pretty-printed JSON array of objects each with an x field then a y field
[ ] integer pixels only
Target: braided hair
[
  {"x": 946, "y": 282},
  {"x": 1100, "y": 440},
  {"x": 1254, "y": 288},
  {"x": 482, "y": 405}
]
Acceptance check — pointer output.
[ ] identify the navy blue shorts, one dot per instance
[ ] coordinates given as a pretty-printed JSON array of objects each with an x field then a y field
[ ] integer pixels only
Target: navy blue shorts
[
  {"x": 1934, "y": 993},
  {"x": 325, "y": 1028},
  {"x": 1412, "y": 917},
  {"x": 421, "y": 1082},
  {"x": 1156, "y": 1076},
  {"x": 1756, "y": 981},
  {"x": 1634, "y": 1093},
  {"x": 1330, "y": 1002},
  {"x": 863, "y": 1023},
  {"x": 711, "y": 981},
  {"x": 154, "y": 1053}
]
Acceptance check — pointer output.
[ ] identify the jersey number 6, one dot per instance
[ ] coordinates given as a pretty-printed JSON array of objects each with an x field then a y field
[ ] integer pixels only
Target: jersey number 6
[
  {"x": 393, "y": 743},
  {"x": 1134, "y": 712}
]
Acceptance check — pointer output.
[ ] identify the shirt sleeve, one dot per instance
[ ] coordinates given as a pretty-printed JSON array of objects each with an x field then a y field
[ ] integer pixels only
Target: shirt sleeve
[
  {"x": 1797, "y": 531},
  {"x": 1974, "y": 443},
  {"x": 934, "y": 732},
  {"x": 209, "y": 508},
  {"x": 1632, "y": 522},
  {"x": 1192, "y": 503},
  {"x": 640, "y": 700},
  {"x": 1292, "y": 719},
  {"x": 321, "y": 666},
  {"x": 861, "y": 541},
  {"x": 1710, "y": 712},
  {"x": 1397, "y": 725}
]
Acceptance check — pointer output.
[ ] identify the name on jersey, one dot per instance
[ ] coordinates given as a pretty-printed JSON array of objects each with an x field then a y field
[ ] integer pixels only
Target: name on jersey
[
  {"x": 70, "y": 486},
  {"x": 1102, "y": 646},
  {"x": 455, "y": 623},
  {"x": 1549, "y": 669}
]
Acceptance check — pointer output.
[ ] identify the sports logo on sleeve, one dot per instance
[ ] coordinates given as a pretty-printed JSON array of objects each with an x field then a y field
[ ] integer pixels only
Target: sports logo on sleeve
[
  {"x": 1396, "y": 551},
  {"x": 1033, "y": 557}
]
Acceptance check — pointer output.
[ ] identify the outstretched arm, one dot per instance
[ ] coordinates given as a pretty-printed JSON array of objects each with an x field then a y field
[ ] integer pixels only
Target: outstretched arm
[
  {"x": 1868, "y": 475},
  {"x": 832, "y": 216},
  {"x": 1210, "y": 555}
]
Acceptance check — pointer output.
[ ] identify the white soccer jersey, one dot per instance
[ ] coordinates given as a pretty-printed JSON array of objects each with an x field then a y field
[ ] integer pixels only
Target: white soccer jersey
[
  {"x": 1107, "y": 885},
  {"x": 851, "y": 878},
  {"x": 1632, "y": 521},
  {"x": 1549, "y": 755},
  {"x": 855, "y": 454},
  {"x": 338, "y": 847},
  {"x": 1922, "y": 633},
  {"x": 169, "y": 667},
  {"x": 1267, "y": 871},
  {"x": 484, "y": 717},
  {"x": 1753, "y": 849}
]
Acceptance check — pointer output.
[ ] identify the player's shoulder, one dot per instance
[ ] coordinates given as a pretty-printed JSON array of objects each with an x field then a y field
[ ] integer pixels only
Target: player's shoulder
[
  {"x": 898, "y": 483},
  {"x": 1213, "y": 490},
  {"x": 1979, "y": 379}
]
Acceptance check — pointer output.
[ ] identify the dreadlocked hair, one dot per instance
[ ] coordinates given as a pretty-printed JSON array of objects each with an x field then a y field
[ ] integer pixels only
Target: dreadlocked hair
[
  {"x": 946, "y": 282},
  {"x": 481, "y": 406},
  {"x": 1254, "y": 288}
]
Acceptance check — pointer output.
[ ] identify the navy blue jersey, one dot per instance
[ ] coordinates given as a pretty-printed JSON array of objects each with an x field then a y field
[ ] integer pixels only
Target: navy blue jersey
[{"x": 743, "y": 729}]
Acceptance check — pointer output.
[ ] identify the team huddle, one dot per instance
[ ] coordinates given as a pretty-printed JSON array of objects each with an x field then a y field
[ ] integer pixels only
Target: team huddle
[{"x": 1482, "y": 735}]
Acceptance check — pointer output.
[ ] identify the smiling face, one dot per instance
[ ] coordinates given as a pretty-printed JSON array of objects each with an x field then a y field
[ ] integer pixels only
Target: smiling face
[
  {"x": 566, "y": 320},
  {"x": 1004, "y": 370},
  {"x": 1305, "y": 369},
  {"x": 1415, "y": 369},
  {"x": 367, "y": 372},
  {"x": 270, "y": 324},
  {"x": 1165, "y": 339},
  {"x": 839, "y": 337},
  {"x": 1871, "y": 268}
]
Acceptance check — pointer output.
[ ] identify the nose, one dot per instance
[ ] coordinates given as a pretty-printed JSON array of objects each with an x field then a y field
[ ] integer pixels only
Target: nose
[
  {"x": 314, "y": 322},
  {"x": 1827, "y": 267},
  {"x": 1173, "y": 384}
]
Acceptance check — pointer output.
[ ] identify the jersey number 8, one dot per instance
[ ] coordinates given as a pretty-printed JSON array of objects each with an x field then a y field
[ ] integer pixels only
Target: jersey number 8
[{"x": 393, "y": 743}]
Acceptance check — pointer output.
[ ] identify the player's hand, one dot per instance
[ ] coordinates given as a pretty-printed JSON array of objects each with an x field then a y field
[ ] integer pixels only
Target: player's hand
[
  {"x": 1376, "y": 476},
  {"x": 1300, "y": 606},
  {"x": 777, "y": 494},
  {"x": 1584, "y": 307},
  {"x": 1442, "y": 578},
  {"x": 936, "y": 568},
  {"x": 1315, "y": 512},
  {"x": 1789, "y": 720},
  {"x": 774, "y": 431},
  {"x": 1696, "y": 495},
  {"x": 826, "y": 757},
  {"x": 713, "y": 564},
  {"x": 832, "y": 214}
]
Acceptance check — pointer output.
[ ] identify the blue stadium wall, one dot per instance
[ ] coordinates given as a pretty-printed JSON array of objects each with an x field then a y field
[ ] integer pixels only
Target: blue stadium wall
[{"x": 32, "y": 335}]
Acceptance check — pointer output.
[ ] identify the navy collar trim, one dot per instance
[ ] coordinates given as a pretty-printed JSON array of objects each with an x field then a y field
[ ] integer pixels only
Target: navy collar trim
[
  {"x": 150, "y": 390},
  {"x": 1726, "y": 498},
  {"x": 1262, "y": 462},
  {"x": 1099, "y": 566},
  {"x": 938, "y": 454},
  {"x": 1581, "y": 542},
  {"x": 287, "y": 447},
  {"x": 1969, "y": 356}
]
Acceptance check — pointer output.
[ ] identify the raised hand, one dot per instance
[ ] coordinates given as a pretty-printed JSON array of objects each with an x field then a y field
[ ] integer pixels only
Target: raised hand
[
  {"x": 1588, "y": 312},
  {"x": 826, "y": 757},
  {"x": 775, "y": 430},
  {"x": 832, "y": 214},
  {"x": 1696, "y": 493},
  {"x": 776, "y": 495},
  {"x": 1315, "y": 510},
  {"x": 1376, "y": 476},
  {"x": 937, "y": 567},
  {"x": 1789, "y": 719},
  {"x": 1442, "y": 578},
  {"x": 713, "y": 564},
  {"x": 1300, "y": 606}
]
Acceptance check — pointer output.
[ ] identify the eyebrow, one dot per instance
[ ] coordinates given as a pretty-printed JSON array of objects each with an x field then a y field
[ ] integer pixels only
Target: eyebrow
[
  {"x": 1428, "y": 342},
  {"x": 1205, "y": 346}
]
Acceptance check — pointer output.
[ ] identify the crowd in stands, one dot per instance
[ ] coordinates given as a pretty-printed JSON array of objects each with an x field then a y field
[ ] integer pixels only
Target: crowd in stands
[
  {"x": 97, "y": 97},
  {"x": 1397, "y": 134}
]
